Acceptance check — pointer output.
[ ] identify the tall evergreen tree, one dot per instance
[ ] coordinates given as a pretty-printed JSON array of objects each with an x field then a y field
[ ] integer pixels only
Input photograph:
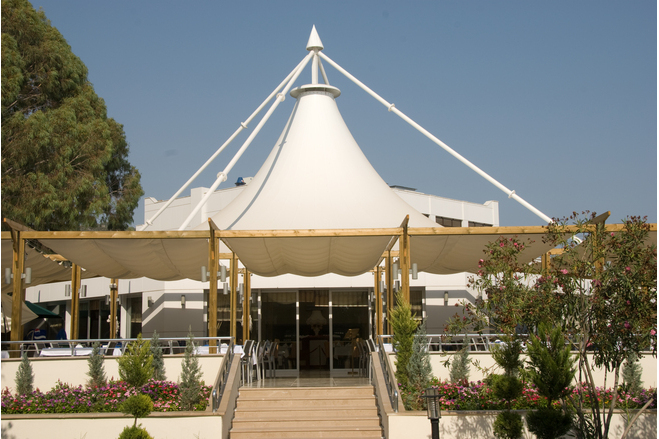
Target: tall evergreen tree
[
  {"x": 190, "y": 384},
  {"x": 64, "y": 162},
  {"x": 96, "y": 366},
  {"x": 24, "y": 377},
  {"x": 158, "y": 361}
]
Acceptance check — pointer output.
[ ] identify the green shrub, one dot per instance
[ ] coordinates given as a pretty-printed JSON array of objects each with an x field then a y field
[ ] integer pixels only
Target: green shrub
[
  {"x": 135, "y": 432},
  {"x": 459, "y": 371},
  {"x": 403, "y": 325},
  {"x": 158, "y": 361},
  {"x": 96, "y": 369},
  {"x": 508, "y": 425},
  {"x": 24, "y": 377},
  {"x": 138, "y": 406},
  {"x": 419, "y": 370},
  {"x": 190, "y": 385},
  {"x": 548, "y": 423},
  {"x": 135, "y": 365},
  {"x": 631, "y": 374}
]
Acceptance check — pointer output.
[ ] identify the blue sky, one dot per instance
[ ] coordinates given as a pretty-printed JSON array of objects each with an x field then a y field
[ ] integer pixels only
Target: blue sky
[{"x": 556, "y": 100}]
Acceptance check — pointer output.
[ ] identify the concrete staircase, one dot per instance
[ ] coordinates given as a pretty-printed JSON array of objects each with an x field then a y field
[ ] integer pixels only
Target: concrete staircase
[{"x": 306, "y": 412}]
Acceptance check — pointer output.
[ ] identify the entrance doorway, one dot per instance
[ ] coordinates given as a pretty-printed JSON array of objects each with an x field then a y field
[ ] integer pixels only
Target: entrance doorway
[{"x": 317, "y": 330}]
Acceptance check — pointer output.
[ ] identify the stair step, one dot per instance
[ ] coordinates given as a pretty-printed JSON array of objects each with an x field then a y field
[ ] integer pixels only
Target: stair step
[
  {"x": 306, "y": 413},
  {"x": 302, "y": 432},
  {"x": 303, "y": 403},
  {"x": 346, "y": 424},
  {"x": 304, "y": 392}
]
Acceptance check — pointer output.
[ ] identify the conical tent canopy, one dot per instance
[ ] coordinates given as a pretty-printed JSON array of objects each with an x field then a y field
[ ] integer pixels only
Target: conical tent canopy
[{"x": 316, "y": 177}]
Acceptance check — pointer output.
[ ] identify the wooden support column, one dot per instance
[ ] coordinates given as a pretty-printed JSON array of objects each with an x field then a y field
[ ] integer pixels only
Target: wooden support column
[
  {"x": 213, "y": 265},
  {"x": 75, "y": 301},
  {"x": 404, "y": 260},
  {"x": 378, "y": 300},
  {"x": 391, "y": 300},
  {"x": 114, "y": 296},
  {"x": 233, "y": 294},
  {"x": 18, "y": 291},
  {"x": 247, "y": 304}
]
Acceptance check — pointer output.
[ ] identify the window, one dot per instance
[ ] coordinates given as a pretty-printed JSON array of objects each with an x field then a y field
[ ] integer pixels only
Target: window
[
  {"x": 448, "y": 222},
  {"x": 475, "y": 224}
]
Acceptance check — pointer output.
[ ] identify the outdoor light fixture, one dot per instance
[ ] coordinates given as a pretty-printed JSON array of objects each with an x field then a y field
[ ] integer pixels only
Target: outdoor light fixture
[
  {"x": 182, "y": 300},
  {"x": 223, "y": 273},
  {"x": 445, "y": 298},
  {"x": 149, "y": 301},
  {"x": 415, "y": 271},
  {"x": 396, "y": 285},
  {"x": 107, "y": 300},
  {"x": 27, "y": 275},
  {"x": 394, "y": 269},
  {"x": 67, "y": 290},
  {"x": 83, "y": 291},
  {"x": 225, "y": 288},
  {"x": 432, "y": 397}
]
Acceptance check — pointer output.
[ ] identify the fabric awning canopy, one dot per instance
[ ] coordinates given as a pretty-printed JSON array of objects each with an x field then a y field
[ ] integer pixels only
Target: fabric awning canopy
[
  {"x": 41, "y": 311},
  {"x": 8, "y": 303},
  {"x": 144, "y": 254},
  {"x": 44, "y": 269}
]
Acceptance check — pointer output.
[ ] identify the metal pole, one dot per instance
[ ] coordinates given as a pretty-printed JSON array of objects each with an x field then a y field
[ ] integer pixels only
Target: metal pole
[
  {"x": 222, "y": 176},
  {"x": 243, "y": 125},
  {"x": 392, "y": 108},
  {"x": 434, "y": 423}
]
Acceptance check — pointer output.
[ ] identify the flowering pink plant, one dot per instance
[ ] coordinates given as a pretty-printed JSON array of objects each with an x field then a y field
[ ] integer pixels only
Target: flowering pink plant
[{"x": 64, "y": 398}]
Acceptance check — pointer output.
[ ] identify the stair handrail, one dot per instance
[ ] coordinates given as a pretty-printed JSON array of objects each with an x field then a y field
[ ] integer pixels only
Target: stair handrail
[
  {"x": 389, "y": 375},
  {"x": 222, "y": 375}
]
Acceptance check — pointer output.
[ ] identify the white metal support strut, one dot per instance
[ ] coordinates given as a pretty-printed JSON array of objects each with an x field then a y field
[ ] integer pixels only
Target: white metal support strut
[
  {"x": 243, "y": 126},
  {"x": 392, "y": 108},
  {"x": 222, "y": 176}
]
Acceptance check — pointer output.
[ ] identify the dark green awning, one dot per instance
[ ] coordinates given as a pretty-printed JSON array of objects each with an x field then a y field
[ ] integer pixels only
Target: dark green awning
[{"x": 40, "y": 311}]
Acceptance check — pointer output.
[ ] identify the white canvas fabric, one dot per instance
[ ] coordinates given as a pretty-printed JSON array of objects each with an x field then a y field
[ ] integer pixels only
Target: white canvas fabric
[
  {"x": 161, "y": 259},
  {"x": 316, "y": 177}
]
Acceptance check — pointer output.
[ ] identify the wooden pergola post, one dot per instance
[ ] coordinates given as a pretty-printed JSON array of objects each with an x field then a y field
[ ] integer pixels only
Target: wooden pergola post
[
  {"x": 378, "y": 301},
  {"x": 233, "y": 294},
  {"x": 114, "y": 296},
  {"x": 75, "y": 301},
  {"x": 404, "y": 260},
  {"x": 389, "y": 275},
  {"x": 247, "y": 304},
  {"x": 18, "y": 292},
  {"x": 213, "y": 265}
]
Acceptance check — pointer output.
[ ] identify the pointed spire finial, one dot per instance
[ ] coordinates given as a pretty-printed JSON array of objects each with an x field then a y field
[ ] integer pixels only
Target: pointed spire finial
[{"x": 314, "y": 40}]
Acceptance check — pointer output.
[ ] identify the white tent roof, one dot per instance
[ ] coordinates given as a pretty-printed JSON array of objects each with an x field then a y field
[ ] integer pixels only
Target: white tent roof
[{"x": 316, "y": 177}]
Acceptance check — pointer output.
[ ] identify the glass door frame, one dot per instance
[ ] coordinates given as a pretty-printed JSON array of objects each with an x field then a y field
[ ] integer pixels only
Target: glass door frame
[{"x": 296, "y": 371}]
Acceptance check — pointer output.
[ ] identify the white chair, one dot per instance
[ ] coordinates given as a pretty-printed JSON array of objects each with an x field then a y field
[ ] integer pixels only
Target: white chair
[{"x": 246, "y": 361}]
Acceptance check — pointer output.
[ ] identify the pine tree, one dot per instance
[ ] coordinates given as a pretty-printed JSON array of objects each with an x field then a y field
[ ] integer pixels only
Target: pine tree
[
  {"x": 64, "y": 162},
  {"x": 158, "y": 361},
  {"x": 552, "y": 371},
  {"x": 419, "y": 370},
  {"x": 190, "y": 380},
  {"x": 403, "y": 325},
  {"x": 459, "y": 371},
  {"x": 96, "y": 367},
  {"x": 135, "y": 365},
  {"x": 631, "y": 374},
  {"x": 508, "y": 386},
  {"x": 24, "y": 377}
]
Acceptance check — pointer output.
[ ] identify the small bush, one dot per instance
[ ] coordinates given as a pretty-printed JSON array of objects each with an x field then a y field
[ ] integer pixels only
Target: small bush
[
  {"x": 24, "y": 377},
  {"x": 138, "y": 406},
  {"x": 158, "y": 361},
  {"x": 135, "y": 432},
  {"x": 508, "y": 425},
  {"x": 459, "y": 371},
  {"x": 96, "y": 371},
  {"x": 190, "y": 384},
  {"x": 548, "y": 423},
  {"x": 135, "y": 366}
]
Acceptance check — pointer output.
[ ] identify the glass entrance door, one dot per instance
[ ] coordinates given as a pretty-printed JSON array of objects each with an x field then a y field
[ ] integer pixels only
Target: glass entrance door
[{"x": 316, "y": 331}]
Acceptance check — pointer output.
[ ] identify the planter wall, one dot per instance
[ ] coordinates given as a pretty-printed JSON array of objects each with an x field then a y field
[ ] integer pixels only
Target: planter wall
[
  {"x": 73, "y": 370},
  {"x": 478, "y": 425}
]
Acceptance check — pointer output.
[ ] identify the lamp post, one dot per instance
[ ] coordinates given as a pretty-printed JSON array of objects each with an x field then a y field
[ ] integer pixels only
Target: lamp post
[{"x": 432, "y": 402}]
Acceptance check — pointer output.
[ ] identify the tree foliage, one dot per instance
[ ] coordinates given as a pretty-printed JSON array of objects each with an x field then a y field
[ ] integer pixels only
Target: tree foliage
[
  {"x": 600, "y": 288},
  {"x": 96, "y": 371},
  {"x": 64, "y": 162},
  {"x": 135, "y": 365},
  {"x": 158, "y": 360},
  {"x": 190, "y": 385},
  {"x": 24, "y": 377},
  {"x": 404, "y": 326}
]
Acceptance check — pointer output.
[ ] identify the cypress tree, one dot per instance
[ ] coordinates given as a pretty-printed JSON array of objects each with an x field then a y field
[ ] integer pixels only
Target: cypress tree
[
  {"x": 135, "y": 365},
  {"x": 403, "y": 325},
  {"x": 158, "y": 361},
  {"x": 96, "y": 371},
  {"x": 190, "y": 383},
  {"x": 24, "y": 376}
]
